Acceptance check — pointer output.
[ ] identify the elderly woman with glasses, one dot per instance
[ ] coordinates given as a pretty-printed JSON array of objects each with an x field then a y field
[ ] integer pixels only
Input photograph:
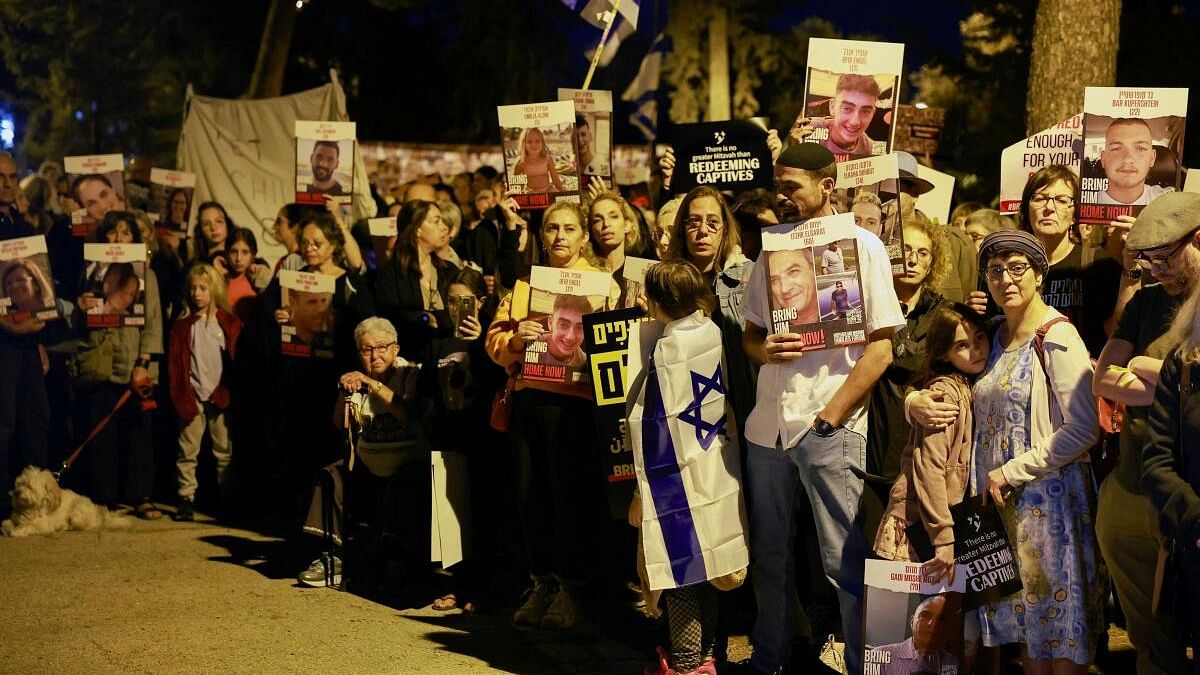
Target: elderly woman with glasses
[{"x": 1035, "y": 420}]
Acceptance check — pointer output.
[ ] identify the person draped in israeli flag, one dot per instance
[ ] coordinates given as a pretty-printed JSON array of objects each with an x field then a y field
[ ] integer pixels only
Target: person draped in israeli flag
[{"x": 689, "y": 504}]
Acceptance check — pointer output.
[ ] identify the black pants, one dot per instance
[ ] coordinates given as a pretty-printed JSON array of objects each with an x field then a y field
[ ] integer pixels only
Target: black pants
[
  {"x": 120, "y": 459},
  {"x": 559, "y": 490},
  {"x": 24, "y": 416}
]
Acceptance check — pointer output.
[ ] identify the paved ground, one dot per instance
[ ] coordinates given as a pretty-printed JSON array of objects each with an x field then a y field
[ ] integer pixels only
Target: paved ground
[{"x": 173, "y": 598}]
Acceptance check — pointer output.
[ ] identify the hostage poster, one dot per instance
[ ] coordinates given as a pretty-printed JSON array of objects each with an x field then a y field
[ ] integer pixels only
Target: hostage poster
[
  {"x": 593, "y": 132},
  {"x": 872, "y": 186},
  {"x": 324, "y": 160},
  {"x": 1132, "y": 150},
  {"x": 633, "y": 280},
  {"x": 26, "y": 286},
  {"x": 383, "y": 238},
  {"x": 559, "y": 299},
  {"x": 851, "y": 89},
  {"x": 308, "y": 300},
  {"x": 1061, "y": 144},
  {"x": 813, "y": 283},
  {"x": 728, "y": 155},
  {"x": 97, "y": 187},
  {"x": 171, "y": 198},
  {"x": 606, "y": 340},
  {"x": 911, "y": 627},
  {"x": 540, "y": 166},
  {"x": 114, "y": 290}
]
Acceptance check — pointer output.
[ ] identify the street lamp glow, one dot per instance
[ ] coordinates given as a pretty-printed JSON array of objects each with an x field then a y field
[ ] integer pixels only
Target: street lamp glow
[{"x": 920, "y": 106}]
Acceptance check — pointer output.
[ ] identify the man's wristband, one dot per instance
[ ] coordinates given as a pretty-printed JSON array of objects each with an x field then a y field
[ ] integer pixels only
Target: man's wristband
[
  {"x": 823, "y": 426},
  {"x": 141, "y": 363}
]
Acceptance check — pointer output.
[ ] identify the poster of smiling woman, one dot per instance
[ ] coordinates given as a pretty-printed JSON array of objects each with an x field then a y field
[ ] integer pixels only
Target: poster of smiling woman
[
  {"x": 26, "y": 286},
  {"x": 1132, "y": 149}
]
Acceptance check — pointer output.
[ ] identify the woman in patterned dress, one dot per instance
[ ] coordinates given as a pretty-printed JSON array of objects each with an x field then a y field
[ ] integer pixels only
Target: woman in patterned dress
[{"x": 1035, "y": 420}]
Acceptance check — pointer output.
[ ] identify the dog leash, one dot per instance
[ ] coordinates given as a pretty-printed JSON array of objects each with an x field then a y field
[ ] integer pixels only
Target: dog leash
[{"x": 95, "y": 432}]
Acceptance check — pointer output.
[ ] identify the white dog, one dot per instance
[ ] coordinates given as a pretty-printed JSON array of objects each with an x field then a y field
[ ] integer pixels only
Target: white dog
[{"x": 40, "y": 506}]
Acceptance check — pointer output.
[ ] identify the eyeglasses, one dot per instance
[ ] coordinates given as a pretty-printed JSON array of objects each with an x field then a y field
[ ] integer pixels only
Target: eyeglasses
[
  {"x": 922, "y": 254},
  {"x": 1060, "y": 201},
  {"x": 372, "y": 350},
  {"x": 1145, "y": 262},
  {"x": 1015, "y": 271},
  {"x": 713, "y": 224}
]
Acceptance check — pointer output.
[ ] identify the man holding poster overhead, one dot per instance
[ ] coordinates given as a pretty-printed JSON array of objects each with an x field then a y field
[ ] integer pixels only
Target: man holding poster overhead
[{"x": 808, "y": 428}]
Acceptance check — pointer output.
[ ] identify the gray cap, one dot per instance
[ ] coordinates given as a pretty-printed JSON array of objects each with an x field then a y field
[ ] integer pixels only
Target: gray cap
[
  {"x": 908, "y": 173},
  {"x": 1166, "y": 220}
]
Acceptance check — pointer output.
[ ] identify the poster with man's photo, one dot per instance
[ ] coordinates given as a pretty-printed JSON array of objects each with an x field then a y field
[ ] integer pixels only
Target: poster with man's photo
[
  {"x": 540, "y": 166},
  {"x": 872, "y": 186},
  {"x": 324, "y": 160},
  {"x": 559, "y": 299},
  {"x": 911, "y": 627},
  {"x": 97, "y": 187},
  {"x": 307, "y": 298},
  {"x": 606, "y": 340},
  {"x": 633, "y": 280},
  {"x": 26, "y": 285},
  {"x": 114, "y": 293},
  {"x": 1061, "y": 144},
  {"x": 814, "y": 288},
  {"x": 727, "y": 155},
  {"x": 850, "y": 93},
  {"x": 1132, "y": 149},
  {"x": 383, "y": 237},
  {"x": 593, "y": 132},
  {"x": 171, "y": 198}
]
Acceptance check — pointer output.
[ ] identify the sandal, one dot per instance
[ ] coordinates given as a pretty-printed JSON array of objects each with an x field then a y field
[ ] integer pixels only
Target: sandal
[
  {"x": 445, "y": 603},
  {"x": 148, "y": 511}
]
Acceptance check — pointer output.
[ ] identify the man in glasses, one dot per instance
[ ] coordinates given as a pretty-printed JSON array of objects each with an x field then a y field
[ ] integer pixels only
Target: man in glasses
[{"x": 1165, "y": 241}]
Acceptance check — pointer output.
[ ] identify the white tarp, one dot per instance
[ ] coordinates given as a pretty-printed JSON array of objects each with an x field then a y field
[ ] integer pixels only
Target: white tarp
[{"x": 243, "y": 153}]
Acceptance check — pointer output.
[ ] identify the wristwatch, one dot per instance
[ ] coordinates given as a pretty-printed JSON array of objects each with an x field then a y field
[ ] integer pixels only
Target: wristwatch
[{"x": 822, "y": 426}]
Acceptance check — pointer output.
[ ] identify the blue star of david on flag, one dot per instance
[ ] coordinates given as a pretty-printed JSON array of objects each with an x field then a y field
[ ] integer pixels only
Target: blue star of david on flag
[{"x": 701, "y": 386}]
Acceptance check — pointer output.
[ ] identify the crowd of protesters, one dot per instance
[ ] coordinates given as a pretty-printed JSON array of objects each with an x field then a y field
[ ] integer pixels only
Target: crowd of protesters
[{"x": 981, "y": 375}]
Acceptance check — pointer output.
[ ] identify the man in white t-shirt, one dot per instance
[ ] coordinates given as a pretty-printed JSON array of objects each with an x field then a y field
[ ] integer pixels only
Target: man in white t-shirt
[
  {"x": 832, "y": 261},
  {"x": 808, "y": 428}
]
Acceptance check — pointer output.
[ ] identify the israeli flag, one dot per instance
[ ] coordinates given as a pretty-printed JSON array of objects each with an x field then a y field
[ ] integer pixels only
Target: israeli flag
[{"x": 685, "y": 454}]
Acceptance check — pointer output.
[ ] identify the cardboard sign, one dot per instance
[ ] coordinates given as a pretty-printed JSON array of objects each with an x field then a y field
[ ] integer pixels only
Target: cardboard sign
[
  {"x": 97, "y": 186},
  {"x": 850, "y": 94},
  {"x": 730, "y": 155},
  {"x": 911, "y": 627},
  {"x": 114, "y": 289},
  {"x": 1061, "y": 144},
  {"x": 814, "y": 287},
  {"x": 324, "y": 160},
  {"x": 540, "y": 165},
  {"x": 308, "y": 299},
  {"x": 1132, "y": 150},
  {"x": 26, "y": 284},
  {"x": 872, "y": 187},
  {"x": 593, "y": 131},
  {"x": 561, "y": 298},
  {"x": 606, "y": 339}
]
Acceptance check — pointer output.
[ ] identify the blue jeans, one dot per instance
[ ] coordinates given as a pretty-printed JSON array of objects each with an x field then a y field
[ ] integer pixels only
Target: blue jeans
[{"x": 823, "y": 464}]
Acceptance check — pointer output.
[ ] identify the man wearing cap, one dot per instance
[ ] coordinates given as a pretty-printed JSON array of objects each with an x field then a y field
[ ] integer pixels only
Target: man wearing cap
[
  {"x": 1165, "y": 242},
  {"x": 808, "y": 429}
]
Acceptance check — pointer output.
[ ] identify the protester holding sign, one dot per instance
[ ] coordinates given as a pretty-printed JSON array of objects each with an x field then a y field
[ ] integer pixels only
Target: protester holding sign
[
  {"x": 558, "y": 491},
  {"x": 1035, "y": 420},
  {"x": 808, "y": 427},
  {"x": 113, "y": 358},
  {"x": 615, "y": 234}
]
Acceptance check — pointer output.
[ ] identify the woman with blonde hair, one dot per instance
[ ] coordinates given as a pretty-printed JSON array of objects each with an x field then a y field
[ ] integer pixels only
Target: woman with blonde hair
[{"x": 536, "y": 163}]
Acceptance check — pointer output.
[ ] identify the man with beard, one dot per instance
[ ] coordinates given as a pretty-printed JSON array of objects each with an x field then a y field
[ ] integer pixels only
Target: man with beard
[
  {"x": 1127, "y": 157},
  {"x": 925, "y": 651},
  {"x": 808, "y": 429},
  {"x": 1165, "y": 241},
  {"x": 324, "y": 160}
]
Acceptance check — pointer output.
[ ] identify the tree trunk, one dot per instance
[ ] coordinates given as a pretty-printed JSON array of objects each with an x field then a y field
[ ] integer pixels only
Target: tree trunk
[
  {"x": 718, "y": 64},
  {"x": 1074, "y": 46},
  {"x": 273, "y": 50}
]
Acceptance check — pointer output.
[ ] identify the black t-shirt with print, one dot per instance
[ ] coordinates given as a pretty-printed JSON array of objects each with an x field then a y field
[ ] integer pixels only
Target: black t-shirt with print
[{"x": 1086, "y": 295}]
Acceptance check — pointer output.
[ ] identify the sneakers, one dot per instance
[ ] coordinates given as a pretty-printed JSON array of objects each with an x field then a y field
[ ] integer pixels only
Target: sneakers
[
  {"x": 707, "y": 667},
  {"x": 562, "y": 611},
  {"x": 537, "y": 602},
  {"x": 324, "y": 571},
  {"x": 186, "y": 512}
]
